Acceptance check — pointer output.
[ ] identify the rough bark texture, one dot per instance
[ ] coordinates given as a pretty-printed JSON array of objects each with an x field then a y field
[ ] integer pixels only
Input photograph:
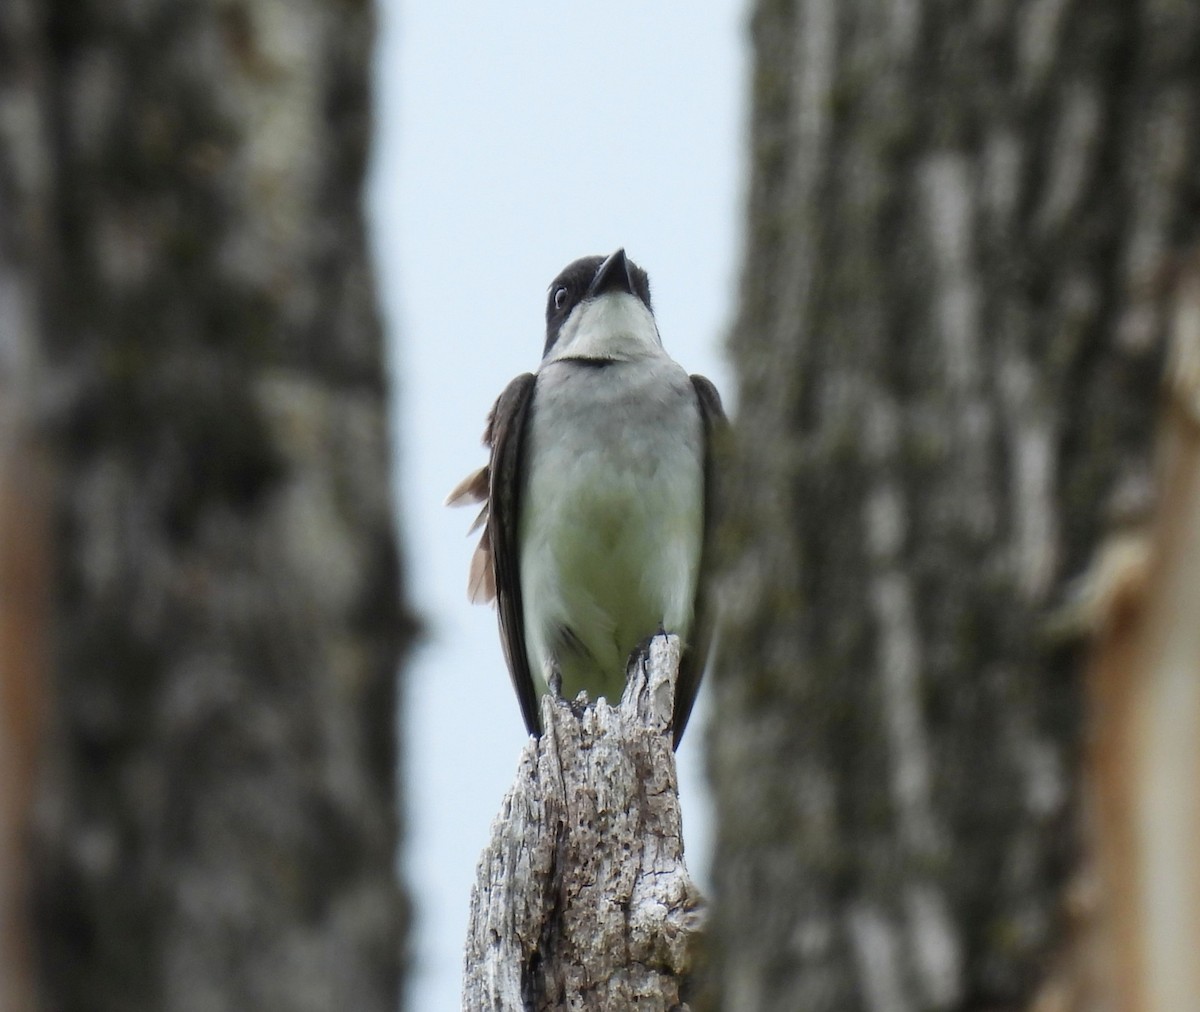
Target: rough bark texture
[
  {"x": 582, "y": 899},
  {"x": 181, "y": 242},
  {"x": 949, "y": 348}
]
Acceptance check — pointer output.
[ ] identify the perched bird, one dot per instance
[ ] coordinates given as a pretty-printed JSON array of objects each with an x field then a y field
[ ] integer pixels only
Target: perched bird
[{"x": 597, "y": 497}]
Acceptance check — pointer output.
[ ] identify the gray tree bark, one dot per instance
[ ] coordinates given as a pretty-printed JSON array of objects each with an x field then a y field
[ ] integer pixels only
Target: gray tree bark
[
  {"x": 582, "y": 899},
  {"x": 189, "y": 322},
  {"x": 949, "y": 350}
]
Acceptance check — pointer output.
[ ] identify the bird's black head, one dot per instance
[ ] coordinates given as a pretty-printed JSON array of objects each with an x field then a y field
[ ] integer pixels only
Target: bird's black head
[{"x": 587, "y": 278}]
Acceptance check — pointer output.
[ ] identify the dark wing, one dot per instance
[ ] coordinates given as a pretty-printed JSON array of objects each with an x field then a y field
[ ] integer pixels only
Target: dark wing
[
  {"x": 495, "y": 565},
  {"x": 506, "y": 435},
  {"x": 695, "y": 655}
]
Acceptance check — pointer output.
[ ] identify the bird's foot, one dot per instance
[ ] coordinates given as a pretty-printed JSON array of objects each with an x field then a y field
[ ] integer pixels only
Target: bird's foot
[{"x": 641, "y": 653}]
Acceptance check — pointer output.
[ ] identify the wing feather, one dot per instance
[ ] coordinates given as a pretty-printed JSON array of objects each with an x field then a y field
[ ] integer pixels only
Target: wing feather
[
  {"x": 494, "y": 574},
  {"x": 506, "y": 436},
  {"x": 695, "y": 654},
  {"x": 473, "y": 488},
  {"x": 481, "y": 580},
  {"x": 479, "y": 521}
]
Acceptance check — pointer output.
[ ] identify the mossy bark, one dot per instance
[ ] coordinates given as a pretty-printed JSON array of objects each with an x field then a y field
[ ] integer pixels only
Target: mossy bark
[
  {"x": 949, "y": 349},
  {"x": 216, "y": 826}
]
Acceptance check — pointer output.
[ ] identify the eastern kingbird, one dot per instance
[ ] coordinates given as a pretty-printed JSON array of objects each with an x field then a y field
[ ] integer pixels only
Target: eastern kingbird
[{"x": 598, "y": 497}]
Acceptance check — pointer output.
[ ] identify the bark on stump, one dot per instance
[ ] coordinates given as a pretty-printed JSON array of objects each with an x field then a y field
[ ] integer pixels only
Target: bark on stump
[{"x": 582, "y": 899}]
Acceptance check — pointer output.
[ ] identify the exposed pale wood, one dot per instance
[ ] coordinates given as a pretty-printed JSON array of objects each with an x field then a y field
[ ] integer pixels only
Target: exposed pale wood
[
  {"x": 582, "y": 899},
  {"x": 1146, "y": 751}
]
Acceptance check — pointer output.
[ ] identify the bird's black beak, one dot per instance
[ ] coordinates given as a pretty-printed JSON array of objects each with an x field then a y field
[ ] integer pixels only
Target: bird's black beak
[{"x": 613, "y": 276}]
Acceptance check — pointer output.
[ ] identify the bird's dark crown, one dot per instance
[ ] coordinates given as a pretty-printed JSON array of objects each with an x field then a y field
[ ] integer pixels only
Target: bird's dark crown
[{"x": 574, "y": 281}]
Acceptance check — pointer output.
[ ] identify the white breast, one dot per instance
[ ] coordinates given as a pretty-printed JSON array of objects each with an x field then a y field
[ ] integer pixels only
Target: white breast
[{"x": 611, "y": 515}]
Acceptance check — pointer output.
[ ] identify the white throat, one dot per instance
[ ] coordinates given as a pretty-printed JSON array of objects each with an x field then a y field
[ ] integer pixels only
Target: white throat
[{"x": 615, "y": 325}]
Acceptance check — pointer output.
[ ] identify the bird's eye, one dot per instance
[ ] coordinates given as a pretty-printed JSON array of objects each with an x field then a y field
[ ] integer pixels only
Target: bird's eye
[{"x": 560, "y": 298}]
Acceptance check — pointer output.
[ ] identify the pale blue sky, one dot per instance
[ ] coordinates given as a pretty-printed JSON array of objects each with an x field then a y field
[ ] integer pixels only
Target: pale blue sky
[{"x": 512, "y": 138}]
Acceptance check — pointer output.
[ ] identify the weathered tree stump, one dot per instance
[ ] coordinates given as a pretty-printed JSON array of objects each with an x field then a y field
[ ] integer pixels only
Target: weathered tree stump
[{"x": 582, "y": 899}]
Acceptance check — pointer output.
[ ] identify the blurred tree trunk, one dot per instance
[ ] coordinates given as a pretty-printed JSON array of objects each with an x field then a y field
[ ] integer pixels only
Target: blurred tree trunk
[
  {"x": 963, "y": 223},
  {"x": 205, "y": 808}
]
